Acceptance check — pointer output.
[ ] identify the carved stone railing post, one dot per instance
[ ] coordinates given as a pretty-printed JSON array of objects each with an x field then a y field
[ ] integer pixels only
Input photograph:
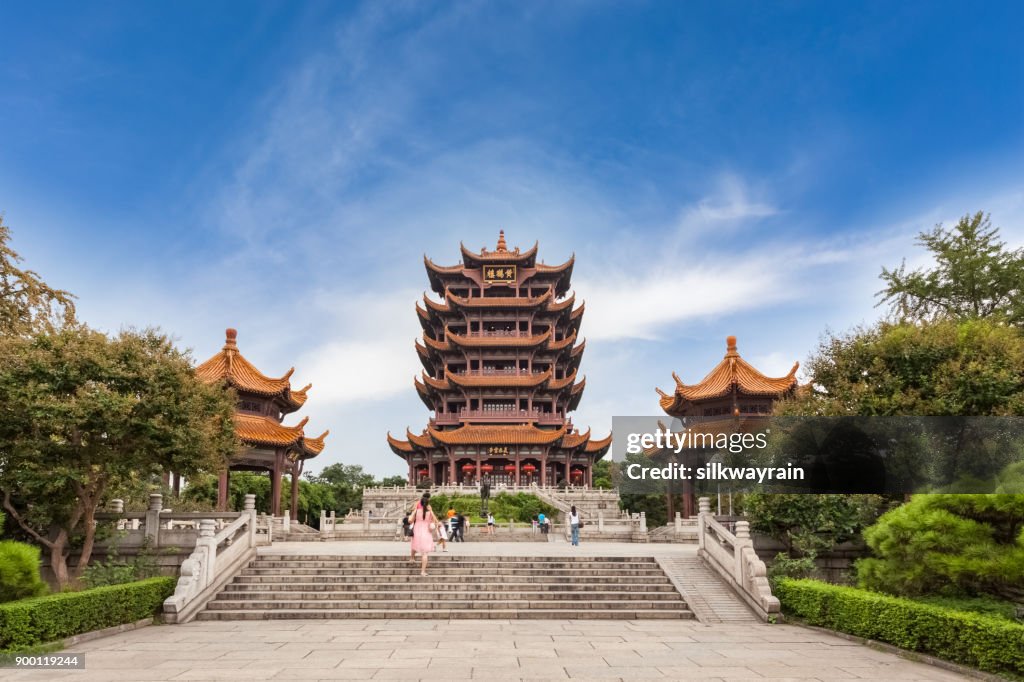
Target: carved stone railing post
[
  {"x": 156, "y": 504},
  {"x": 679, "y": 522},
  {"x": 743, "y": 540},
  {"x": 704, "y": 511},
  {"x": 207, "y": 529},
  {"x": 249, "y": 507},
  {"x": 366, "y": 519},
  {"x": 117, "y": 507},
  {"x": 600, "y": 521}
]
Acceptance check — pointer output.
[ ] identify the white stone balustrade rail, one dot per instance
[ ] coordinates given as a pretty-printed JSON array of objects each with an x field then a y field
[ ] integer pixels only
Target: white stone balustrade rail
[
  {"x": 732, "y": 556},
  {"x": 217, "y": 557}
]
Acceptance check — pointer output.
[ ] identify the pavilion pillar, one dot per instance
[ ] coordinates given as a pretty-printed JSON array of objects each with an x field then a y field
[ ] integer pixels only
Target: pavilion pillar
[
  {"x": 590, "y": 475},
  {"x": 568, "y": 462},
  {"x": 543, "y": 470},
  {"x": 451, "y": 468},
  {"x": 518, "y": 473},
  {"x": 275, "y": 486},
  {"x": 412, "y": 479},
  {"x": 296, "y": 470},
  {"x": 222, "y": 490},
  {"x": 479, "y": 474}
]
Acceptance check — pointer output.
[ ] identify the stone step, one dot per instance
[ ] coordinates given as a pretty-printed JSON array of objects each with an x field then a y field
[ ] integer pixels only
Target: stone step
[
  {"x": 411, "y": 578},
  {"x": 451, "y": 569},
  {"x": 449, "y": 614},
  {"x": 527, "y": 595},
  {"x": 434, "y": 604},
  {"x": 440, "y": 584},
  {"x": 455, "y": 563},
  {"x": 456, "y": 558}
]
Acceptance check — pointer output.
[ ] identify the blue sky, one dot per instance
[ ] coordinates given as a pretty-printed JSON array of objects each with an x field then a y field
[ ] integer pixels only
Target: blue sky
[{"x": 717, "y": 168}]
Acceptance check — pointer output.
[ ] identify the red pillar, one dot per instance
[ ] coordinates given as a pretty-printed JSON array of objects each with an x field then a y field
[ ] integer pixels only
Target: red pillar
[
  {"x": 543, "y": 470},
  {"x": 222, "y": 491}
]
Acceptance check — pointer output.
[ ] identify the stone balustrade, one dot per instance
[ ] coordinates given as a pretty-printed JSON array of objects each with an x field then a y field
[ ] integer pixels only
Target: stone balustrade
[
  {"x": 215, "y": 560},
  {"x": 731, "y": 555}
]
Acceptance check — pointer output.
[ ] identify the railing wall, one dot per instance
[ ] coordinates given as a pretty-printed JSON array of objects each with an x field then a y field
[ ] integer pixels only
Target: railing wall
[{"x": 731, "y": 555}]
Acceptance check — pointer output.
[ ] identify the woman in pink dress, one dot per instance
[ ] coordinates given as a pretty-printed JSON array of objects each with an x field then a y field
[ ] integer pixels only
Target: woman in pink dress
[{"x": 424, "y": 524}]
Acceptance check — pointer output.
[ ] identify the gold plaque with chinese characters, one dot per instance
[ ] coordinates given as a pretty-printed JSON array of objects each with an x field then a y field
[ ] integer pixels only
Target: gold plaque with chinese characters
[{"x": 500, "y": 274}]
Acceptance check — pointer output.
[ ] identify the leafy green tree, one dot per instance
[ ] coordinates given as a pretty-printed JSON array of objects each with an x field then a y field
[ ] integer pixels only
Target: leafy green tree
[
  {"x": 346, "y": 481},
  {"x": 974, "y": 276},
  {"x": 27, "y": 303},
  {"x": 951, "y": 545},
  {"x": 603, "y": 474},
  {"x": 81, "y": 413},
  {"x": 943, "y": 368},
  {"x": 389, "y": 481}
]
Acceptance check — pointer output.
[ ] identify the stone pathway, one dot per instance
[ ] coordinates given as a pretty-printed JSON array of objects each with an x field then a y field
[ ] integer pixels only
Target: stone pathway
[
  {"x": 472, "y": 650},
  {"x": 710, "y": 599}
]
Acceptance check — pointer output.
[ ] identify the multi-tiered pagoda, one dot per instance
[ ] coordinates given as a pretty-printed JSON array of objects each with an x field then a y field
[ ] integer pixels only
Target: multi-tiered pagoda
[
  {"x": 734, "y": 388},
  {"x": 263, "y": 402},
  {"x": 501, "y": 362},
  {"x": 735, "y": 391}
]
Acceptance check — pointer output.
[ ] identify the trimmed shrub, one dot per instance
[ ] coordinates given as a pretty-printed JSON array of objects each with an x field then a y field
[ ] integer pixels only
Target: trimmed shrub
[
  {"x": 971, "y": 639},
  {"x": 948, "y": 544},
  {"x": 19, "y": 571},
  {"x": 30, "y": 622}
]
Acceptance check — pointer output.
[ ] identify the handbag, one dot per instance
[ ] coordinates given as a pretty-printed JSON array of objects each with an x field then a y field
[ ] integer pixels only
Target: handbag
[
  {"x": 433, "y": 526},
  {"x": 580, "y": 525}
]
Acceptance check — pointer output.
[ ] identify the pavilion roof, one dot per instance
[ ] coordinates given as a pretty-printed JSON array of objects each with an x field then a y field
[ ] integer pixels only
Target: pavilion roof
[
  {"x": 564, "y": 267},
  {"x": 501, "y": 253},
  {"x": 262, "y": 430},
  {"x": 567, "y": 341},
  {"x": 732, "y": 372},
  {"x": 231, "y": 367},
  {"x": 559, "y": 384},
  {"x": 558, "y": 306},
  {"x": 600, "y": 445},
  {"x": 575, "y": 439}
]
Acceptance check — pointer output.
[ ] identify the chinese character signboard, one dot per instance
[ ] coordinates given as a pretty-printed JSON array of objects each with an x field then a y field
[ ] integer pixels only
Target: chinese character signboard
[{"x": 500, "y": 274}]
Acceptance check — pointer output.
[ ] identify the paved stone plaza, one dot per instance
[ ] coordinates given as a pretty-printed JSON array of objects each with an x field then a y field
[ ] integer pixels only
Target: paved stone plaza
[
  {"x": 470, "y": 650},
  {"x": 483, "y": 649}
]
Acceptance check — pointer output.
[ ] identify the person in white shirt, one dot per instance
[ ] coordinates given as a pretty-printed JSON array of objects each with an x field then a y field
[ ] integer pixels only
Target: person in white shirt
[{"x": 574, "y": 526}]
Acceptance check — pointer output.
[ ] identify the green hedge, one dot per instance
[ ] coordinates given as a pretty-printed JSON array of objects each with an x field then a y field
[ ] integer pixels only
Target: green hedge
[
  {"x": 29, "y": 622},
  {"x": 970, "y": 639}
]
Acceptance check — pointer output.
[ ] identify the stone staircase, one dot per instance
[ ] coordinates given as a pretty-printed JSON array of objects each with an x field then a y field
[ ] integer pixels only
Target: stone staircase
[{"x": 317, "y": 586}]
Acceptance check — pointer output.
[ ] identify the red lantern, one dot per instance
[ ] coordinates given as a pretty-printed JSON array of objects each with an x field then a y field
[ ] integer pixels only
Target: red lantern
[
  {"x": 486, "y": 468},
  {"x": 424, "y": 472},
  {"x": 529, "y": 468},
  {"x": 468, "y": 467},
  {"x": 511, "y": 468}
]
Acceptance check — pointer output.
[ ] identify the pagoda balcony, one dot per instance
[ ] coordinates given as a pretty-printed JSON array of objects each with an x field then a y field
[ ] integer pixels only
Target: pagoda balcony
[
  {"x": 510, "y": 416},
  {"x": 494, "y": 371},
  {"x": 499, "y": 333}
]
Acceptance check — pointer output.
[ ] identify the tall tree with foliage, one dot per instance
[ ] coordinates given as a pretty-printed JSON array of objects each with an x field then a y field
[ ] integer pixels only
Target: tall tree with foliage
[
  {"x": 81, "y": 412},
  {"x": 941, "y": 368},
  {"x": 27, "y": 303},
  {"x": 974, "y": 276}
]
